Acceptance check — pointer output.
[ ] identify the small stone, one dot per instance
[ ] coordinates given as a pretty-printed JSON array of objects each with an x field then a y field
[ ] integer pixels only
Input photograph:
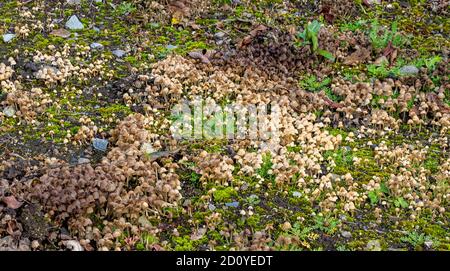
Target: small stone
[
  {"x": 373, "y": 245},
  {"x": 147, "y": 148},
  {"x": 8, "y": 37},
  {"x": 63, "y": 33},
  {"x": 211, "y": 207},
  {"x": 9, "y": 111},
  {"x": 197, "y": 235},
  {"x": 96, "y": 29},
  {"x": 74, "y": 245},
  {"x": 83, "y": 161},
  {"x": 100, "y": 144},
  {"x": 96, "y": 45},
  {"x": 409, "y": 70},
  {"x": 119, "y": 53},
  {"x": 381, "y": 61},
  {"x": 171, "y": 47},
  {"x": 74, "y": 2},
  {"x": 144, "y": 221},
  {"x": 35, "y": 244},
  {"x": 346, "y": 234},
  {"x": 219, "y": 35},
  {"x": 296, "y": 194},
  {"x": 428, "y": 244},
  {"x": 74, "y": 23},
  {"x": 233, "y": 204}
]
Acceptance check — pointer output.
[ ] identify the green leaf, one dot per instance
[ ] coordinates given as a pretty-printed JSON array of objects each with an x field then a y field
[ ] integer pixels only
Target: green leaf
[
  {"x": 326, "y": 54},
  {"x": 384, "y": 188},
  {"x": 400, "y": 202},
  {"x": 373, "y": 197},
  {"x": 314, "y": 27}
]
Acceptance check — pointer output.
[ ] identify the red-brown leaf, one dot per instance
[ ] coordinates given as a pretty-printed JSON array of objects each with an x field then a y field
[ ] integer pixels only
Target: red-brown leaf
[
  {"x": 12, "y": 202},
  {"x": 199, "y": 56}
]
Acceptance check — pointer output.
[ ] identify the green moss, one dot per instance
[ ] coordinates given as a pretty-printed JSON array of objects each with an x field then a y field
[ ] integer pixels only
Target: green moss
[{"x": 224, "y": 194}]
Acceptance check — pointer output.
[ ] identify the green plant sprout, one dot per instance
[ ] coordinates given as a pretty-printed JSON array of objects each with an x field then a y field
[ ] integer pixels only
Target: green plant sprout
[{"x": 310, "y": 35}]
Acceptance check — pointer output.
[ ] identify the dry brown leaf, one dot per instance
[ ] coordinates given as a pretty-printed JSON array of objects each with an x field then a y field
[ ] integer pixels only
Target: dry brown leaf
[
  {"x": 253, "y": 33},
  {"x": 12, "y": 202},
  {"x": 63, "y": 33},
  {"x": 199, "y": 56},
  {"x": 197, "y": 235},
  {"x": 359, "y": 56}
]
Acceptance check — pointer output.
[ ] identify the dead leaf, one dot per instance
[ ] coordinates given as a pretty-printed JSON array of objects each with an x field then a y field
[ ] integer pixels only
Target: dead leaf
[
  {"x": 179, "y": 8},
  {"x": 292, "y": 29},
  {"x": 74, "y": 245},
  {"x": 252, "y": 34},
  {"x": 63, "y": 33},
  {"x": 331, "y": 104},
  {"x": 197, "y": 235},
  {"x": 327, "y": 14},
  {"x": 157, "y": 247},
  {"x": 379, "y": 61},
  {"x": 359, "y": 56},
  {"x": 393, "y": 56},
  {"x": 433, "y": 98},
  {"x": 199, "y": 56},
  {"x": 11, "y": 202},
  {"x": 389, "y": 49}
]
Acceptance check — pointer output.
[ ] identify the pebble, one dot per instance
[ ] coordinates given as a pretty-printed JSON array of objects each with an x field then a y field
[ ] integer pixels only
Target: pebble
[
  {"x": 74, "y": 2},
  {"x": 211, "y": 207},
  {"x": 409, "y": 70},
  {"x": 219, "y": 35},
  {"x": 8, "y": 37},
  {"x": 100, "y": 144},
  {"x": 296, "y": 194},
  {"x": 373, "y": 245},
  {"x": 171, "y": 47},
  {"x": 119, "y": 53},
  {"x": 233, "y": 204},
  {"x": 144, "y": 221},
  {"x": 147, "y": 148},
  {"x": 83, "y": 161},
  {"x": 63, "y": 33},
  {"x": 428, "y": 244},
  {"x": 96, "y": 45},
  {"x": 9, "y": 111},
  {"x": 74, "y": 23},
  {"x": 74, "y": 245},
  {"x": 346, "y": 234}
]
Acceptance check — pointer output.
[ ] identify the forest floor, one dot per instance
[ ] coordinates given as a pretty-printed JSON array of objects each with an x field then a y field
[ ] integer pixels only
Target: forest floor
[{"x": 359, "y": 153}]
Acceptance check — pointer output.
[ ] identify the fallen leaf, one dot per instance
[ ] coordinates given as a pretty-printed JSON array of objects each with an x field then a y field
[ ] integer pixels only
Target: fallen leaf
[
  {"x": 252, "y": 34},
  {"x": 63, "y": 33},
  {"x": 393, "y": 56},
  {"x": 327, "y": 14},
  {"x": 11, "y": 202},
  {"x": 433, "y": 98},
  {"x": 379, "y": 61},
  {"x": 199, "y": 56},
  {"x": 255, "y": 31},
  {"x": 389, "y": 49},
  {"x": 74, "y": 245},
  {"x": 157, "y": 247},
  {"x": 197, "y": 235},
  {"x": 359, "y": 56}
]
